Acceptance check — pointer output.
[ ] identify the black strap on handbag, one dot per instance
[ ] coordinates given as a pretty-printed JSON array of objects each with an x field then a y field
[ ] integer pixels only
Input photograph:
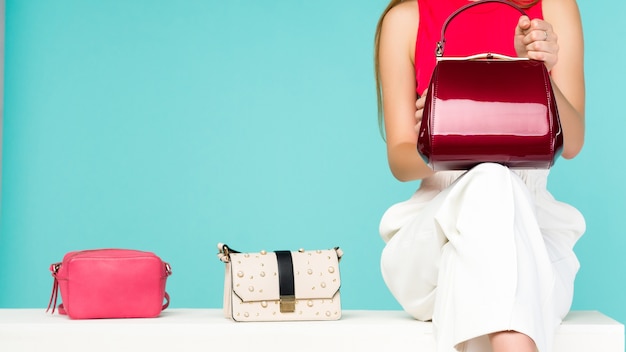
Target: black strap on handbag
[{"x": 286, "y": 283}]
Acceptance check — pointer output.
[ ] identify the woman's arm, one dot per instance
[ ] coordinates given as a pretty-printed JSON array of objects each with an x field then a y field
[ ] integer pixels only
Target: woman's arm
[
  {"x": 568, "y": 72},
  {"x": 563, "y": 54},
  {"x": 397, "y": 74}
]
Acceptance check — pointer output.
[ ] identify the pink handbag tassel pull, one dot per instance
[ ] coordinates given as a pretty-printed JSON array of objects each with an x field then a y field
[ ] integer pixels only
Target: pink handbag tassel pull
[{"x": 54, "y": 268}]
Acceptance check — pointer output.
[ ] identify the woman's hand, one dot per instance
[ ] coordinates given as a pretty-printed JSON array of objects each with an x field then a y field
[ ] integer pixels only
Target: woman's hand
[
  {"x": 419, "y": 104},
  {"x": 536, "y": 40}
]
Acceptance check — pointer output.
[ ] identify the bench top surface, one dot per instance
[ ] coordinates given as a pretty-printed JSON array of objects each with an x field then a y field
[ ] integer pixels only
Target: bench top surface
[
  {"x": 191, "y": 330},
  {"x": 575, "y": 321}
]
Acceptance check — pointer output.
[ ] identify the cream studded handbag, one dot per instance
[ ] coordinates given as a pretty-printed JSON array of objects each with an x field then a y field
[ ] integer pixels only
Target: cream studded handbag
[{"x": 281, "y": 285}]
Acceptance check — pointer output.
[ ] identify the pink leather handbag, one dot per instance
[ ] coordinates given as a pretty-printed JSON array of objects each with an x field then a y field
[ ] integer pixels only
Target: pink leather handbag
[
  {"x": 489, "y": 108},
  {"x": 110, "y": 283}
]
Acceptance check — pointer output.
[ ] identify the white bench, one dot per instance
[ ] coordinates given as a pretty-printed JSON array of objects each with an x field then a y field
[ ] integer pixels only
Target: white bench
[{"x": 185, "y": 330}]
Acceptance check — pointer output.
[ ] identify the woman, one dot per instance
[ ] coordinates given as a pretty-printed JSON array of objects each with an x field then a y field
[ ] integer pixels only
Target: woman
[{"x": 486, "y": 254}]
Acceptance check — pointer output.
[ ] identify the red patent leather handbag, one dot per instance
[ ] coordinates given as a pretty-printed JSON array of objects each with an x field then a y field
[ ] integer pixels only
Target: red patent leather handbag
[{"x": 489, "y": 108}]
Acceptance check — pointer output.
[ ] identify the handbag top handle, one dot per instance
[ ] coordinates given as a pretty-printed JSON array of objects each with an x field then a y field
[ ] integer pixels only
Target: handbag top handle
[{"x": 442, "y": 42}]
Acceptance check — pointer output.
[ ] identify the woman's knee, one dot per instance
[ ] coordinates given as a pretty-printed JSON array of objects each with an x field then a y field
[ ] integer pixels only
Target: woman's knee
[
  {"x": 489, "y": 168},
  {"x": 489, "y": 175}
]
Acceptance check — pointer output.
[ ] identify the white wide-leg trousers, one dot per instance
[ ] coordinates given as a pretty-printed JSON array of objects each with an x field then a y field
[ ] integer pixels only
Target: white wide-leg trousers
[{"x": 491, "y": 251}]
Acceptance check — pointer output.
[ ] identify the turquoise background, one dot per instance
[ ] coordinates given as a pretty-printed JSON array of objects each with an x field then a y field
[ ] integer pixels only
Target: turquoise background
[{"x": 171, "y": 126}]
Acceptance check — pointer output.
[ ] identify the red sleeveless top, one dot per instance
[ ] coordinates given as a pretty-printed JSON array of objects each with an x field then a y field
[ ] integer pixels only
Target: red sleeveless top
[{"x": 483, "y": 28}]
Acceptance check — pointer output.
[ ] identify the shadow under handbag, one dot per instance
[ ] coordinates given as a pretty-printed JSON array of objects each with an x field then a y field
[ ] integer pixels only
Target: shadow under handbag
[
  {"x": 110, "y": 283},
  {"x": 281, "y": 285},
  {"x": 489, "y": 108}
]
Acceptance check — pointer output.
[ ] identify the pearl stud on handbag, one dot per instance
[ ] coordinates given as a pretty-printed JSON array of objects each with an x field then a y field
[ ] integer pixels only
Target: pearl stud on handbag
[{"x": 281, "y": 285}]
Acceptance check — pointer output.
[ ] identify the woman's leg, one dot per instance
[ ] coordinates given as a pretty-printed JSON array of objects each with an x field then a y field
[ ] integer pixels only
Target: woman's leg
[
  {"x": 495, "y": 273},
  {"x": 410, "y": 262},
  {"x": 511, "y": 341}
]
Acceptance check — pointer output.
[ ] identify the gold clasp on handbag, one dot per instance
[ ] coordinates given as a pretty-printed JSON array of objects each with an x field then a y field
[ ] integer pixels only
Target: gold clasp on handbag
[
  {"x": 224, "y": 252},
  {"x": 287, "y": 304}
]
